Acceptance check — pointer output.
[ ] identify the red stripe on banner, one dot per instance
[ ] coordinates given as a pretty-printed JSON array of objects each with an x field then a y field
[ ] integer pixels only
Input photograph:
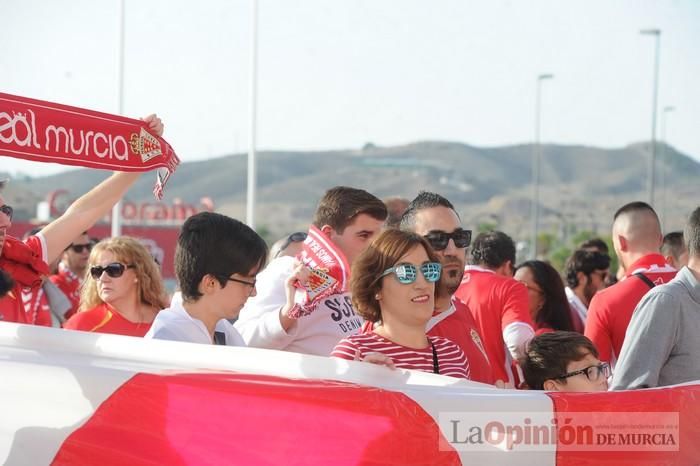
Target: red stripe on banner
[
  {"x": 254, "y": 420},
  {"x": 684, "y": 400}
]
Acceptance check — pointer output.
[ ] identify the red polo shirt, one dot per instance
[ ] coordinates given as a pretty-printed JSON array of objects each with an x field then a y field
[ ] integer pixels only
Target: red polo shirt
[
  {"x": 457, "y": 324},
  {"x": 495, "y": 302},
  {"x": 611, "y": 309}
]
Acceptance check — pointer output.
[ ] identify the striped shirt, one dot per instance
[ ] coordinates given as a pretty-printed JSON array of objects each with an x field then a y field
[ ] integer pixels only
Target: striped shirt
[{"x": 450, "y": 358}]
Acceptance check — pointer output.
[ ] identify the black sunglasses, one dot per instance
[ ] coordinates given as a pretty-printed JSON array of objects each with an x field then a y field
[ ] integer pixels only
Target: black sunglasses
[
  {"x": 114, "y": 270},
  {"x": 439, "y": 239},
  {"x": 297, "y": 237},
  {"x": 7, "y": 210},
  {"x": 79, "y": 248}
]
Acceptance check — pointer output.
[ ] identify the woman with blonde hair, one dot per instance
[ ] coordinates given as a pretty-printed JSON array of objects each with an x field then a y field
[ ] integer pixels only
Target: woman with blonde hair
[{"x": 122, "y": 292}]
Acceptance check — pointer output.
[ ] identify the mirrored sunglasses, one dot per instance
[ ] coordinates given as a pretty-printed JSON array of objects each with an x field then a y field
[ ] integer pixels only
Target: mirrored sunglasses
[
  {"x": 114, "y": 270},
  {"x": 407, "y": 273},
  {"x": 439, "y": 239}
]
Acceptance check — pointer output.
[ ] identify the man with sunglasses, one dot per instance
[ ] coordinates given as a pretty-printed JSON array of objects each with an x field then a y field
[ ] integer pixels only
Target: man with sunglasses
[
  {"x": 499, "y": 303},
  {"x": 564, "y": 362},
  {"x": 435, "y": 218},
  {"x": 585, "y": 273},
  {"x": 71, "y": 270},
  {"x": 26, "y": 261}
]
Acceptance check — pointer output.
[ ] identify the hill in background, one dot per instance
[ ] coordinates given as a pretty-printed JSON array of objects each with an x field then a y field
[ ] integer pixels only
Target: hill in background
[{"x": 581, "y": 186}]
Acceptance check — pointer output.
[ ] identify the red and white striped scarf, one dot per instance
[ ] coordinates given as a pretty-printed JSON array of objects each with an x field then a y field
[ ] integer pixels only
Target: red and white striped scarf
[{"x": 48, "y": 132}]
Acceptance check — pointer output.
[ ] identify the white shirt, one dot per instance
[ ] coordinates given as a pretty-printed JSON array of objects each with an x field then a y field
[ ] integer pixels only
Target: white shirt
[
  {"x": 259, "y": 322},
  {"x": 576, "y": 304},
  {"x": 174, "y": 323}
]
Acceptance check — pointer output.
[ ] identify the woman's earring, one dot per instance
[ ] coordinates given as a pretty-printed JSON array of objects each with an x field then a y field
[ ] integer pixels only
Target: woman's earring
[{"x": 377, "y": 297}]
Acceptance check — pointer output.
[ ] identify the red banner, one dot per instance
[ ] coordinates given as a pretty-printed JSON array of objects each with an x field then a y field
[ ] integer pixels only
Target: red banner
[{"x": 47, "y": 132}]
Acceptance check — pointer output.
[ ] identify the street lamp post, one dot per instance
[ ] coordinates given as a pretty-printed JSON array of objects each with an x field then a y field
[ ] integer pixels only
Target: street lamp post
[
  {"x": 536, "y": 162},
  {"x": 664, "y": 163},
  {"x": 250, "y": 196},
  {"x": 117, "y": 209},
  {"x": 652, "y": 158}
]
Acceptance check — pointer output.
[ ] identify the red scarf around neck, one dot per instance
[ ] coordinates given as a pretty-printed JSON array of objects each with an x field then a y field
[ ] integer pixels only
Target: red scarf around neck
[
  {"x": 47, "y": 132},
  {"x": 330, "y": 271}
]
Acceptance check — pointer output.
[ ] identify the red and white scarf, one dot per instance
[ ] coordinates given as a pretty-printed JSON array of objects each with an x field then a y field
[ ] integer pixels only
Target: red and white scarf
[
  {"x": 47, "y": 132},
  {"x": 330, "y": 271}
]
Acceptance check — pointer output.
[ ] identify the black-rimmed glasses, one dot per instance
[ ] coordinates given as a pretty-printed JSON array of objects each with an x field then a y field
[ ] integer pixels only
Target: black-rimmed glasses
[{"x": 593, "y": 373}]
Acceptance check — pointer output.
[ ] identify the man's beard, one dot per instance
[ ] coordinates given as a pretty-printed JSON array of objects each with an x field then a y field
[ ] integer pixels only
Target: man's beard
[{"x": 452, "y": 278}]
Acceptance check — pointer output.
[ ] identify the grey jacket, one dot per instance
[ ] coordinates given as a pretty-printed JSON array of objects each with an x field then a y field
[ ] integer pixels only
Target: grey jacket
[{"x": 662, "y": 343}]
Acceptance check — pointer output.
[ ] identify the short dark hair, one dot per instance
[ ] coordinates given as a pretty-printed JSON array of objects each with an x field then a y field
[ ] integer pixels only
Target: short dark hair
[
  {"x": 555, "y": 312},
  {"x": 549, "y": 354},
  {"x": 585, "y": 261},
  {"x": 424, "y": 200},
  {"x": 384, "y": 252},
  {"x": 6, "y": 283},
  {"x": 635, "y": 206},
  {"x": 340, "y": 205},
  {"x": 216, "y": 245},
  {"x": 692, "y": 233},
  {"x": 673, "y": 244},
  {"x": 595, "y": 244},
  {"x": 493, "y": 248}
]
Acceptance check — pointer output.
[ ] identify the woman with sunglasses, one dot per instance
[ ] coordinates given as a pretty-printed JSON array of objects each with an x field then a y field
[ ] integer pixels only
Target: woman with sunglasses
[
  {"x": 122, "y": 292},
  {"x": 549, "y": 307},
  {"x": 393, "y": 286}
]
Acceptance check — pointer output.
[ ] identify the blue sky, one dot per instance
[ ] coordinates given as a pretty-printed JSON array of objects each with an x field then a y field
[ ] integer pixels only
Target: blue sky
[{"x": 337, "y": 74}]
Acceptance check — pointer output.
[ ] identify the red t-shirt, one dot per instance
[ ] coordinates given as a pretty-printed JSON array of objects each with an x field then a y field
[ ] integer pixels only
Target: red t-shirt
[
  {"x": 495, "y": 302},
  {"x": 451, "y": 360},
  {"x": 12, "y": 306},
  {"x": 457, "y": 325},
  {"x": 611, "y": 309},
  {"x": 69, "y": 283},
  {"x": 104, "y": 319}
]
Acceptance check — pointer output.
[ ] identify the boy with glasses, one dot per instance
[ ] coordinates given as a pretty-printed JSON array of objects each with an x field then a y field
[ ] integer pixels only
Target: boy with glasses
[
  {"x": 564, "y": 362},
  {"x": 216, "y": 263}
]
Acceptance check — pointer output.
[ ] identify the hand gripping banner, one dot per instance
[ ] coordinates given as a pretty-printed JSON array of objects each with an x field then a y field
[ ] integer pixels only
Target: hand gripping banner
[{"x": 47, "y": 132}]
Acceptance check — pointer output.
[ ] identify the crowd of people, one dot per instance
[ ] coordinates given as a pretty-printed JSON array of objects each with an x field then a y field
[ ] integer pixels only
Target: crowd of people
[{"x": 399, "y": 284}]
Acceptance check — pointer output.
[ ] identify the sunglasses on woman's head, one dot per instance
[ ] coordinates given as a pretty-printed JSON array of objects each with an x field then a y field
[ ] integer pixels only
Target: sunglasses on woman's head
[
  {"x": 114, "y": 270},
  {"x": 297, "y": 237},
  {"x": 439, "y": 239},
  {"x": 407, "y": 273}
]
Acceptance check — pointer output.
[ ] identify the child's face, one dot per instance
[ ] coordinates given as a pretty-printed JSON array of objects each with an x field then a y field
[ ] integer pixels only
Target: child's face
[{"x": 596, "y": 381}]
